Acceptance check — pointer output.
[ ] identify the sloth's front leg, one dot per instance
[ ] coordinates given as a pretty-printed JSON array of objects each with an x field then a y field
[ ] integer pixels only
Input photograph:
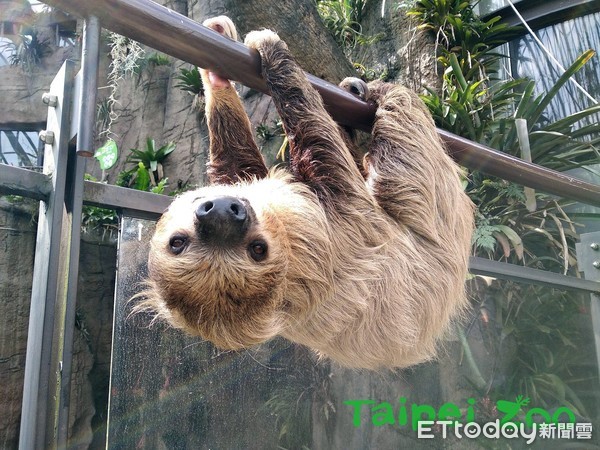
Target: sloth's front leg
[
  {"x": 234, "y": 155},
  {"x": 319, "y": 155}
]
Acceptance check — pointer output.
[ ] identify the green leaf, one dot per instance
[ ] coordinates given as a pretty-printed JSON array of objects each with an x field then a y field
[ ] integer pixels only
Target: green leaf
[
  {"x": 142, "y": 178},
  {"x": 514, "y": 238},
  {"x": 575, "y": 67},
  {"x": 107, "y": 155},
  {"x": 160, "y": 187},
  {"x": 150, "y": 145},
  {"x": 457, "y": 71}
]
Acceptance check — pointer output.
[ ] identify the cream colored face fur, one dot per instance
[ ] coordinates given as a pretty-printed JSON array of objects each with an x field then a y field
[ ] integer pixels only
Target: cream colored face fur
[{"x": 222, "y": 293}]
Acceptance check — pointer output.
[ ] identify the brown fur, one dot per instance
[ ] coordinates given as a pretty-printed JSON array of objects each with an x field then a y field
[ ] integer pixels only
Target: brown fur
[{"x": 367, "y": 272}]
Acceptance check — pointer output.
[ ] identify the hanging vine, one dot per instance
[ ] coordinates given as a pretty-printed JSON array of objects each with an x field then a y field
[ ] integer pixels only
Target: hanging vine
[{"x": 126, "y": 55}]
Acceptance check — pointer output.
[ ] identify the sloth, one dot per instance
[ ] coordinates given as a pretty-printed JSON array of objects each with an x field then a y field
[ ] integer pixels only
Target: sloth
[{"x": 363, "y": 263}]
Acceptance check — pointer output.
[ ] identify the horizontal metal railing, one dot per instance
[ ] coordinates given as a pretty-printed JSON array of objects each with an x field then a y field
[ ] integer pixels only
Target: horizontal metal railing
[
  {"x": 30, "y": 184},
  {"x": 145, "y": 205},
  {"x": 177, "y": 35}
]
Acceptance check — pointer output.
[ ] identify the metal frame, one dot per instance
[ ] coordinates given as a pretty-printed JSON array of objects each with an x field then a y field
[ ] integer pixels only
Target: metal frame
[
  {"x": 543, "y": 13},
  {"x": 41, "y": 369},
  {"x": 63, "y": 191}
]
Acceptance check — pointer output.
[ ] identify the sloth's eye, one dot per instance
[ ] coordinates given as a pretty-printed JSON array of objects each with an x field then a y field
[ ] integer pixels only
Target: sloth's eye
[
  {"x": 177, "y": 244},
  {"x": 258, "y": 250}
]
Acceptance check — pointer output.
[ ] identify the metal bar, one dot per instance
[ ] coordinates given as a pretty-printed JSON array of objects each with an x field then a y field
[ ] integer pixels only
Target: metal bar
[
  {"x": 27, "y": 183},
  {"x": 90, "y": 55},
  {"x": 521, "y": 274},
  {"x": 540, "y": 14},
  {"x": 144, "y": 205},
  {"x": 179, "y": 36},
  {"x": 74, "y": 202},
  {"x": 38, "y": 408},
  {"x": 183, "y": 38},
  {"x": 492, "y": 162},
  {"x": 133, "y": 203}
]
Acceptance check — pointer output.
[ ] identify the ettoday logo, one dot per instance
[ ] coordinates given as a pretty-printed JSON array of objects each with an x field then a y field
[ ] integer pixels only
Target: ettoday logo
[{"x": 514, "y": 419}]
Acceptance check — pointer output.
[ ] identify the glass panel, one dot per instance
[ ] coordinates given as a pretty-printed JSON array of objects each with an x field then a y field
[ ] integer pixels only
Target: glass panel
[
  {"x": 583, "y": 34},
  {"x": 19, "y": 148},
  {"x": 17, "y": 247},
  {"x": 524, "y": 347}
]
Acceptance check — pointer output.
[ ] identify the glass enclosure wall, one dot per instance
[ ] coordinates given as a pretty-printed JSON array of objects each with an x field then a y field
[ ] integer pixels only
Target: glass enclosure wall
[
  {"x": 523, "y": 345},
  {"x": 17, "y": 249},
  {"x": 566, "y": 41}
]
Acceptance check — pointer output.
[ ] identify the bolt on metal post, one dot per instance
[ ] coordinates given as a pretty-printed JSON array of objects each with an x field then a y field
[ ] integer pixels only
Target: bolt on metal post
[
  {"x": 47, "y": 137},
  {"x": 49, "y": 99}
]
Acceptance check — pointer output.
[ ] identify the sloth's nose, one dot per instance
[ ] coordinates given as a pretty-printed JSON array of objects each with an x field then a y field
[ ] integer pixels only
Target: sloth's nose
[{"x": 222, "y": 221}]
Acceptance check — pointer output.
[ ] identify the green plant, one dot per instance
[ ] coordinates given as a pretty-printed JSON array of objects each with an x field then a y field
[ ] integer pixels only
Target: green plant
[
  {"x": 473, "y": 105},
  {"x": 540, "y": 324},
  {"x": 147, "y": 173},
  {"x": 151, "y": 61},
  {"x": 266, "y": 132},
  {"x": 189, "y": 80},
  {"x": 94, "y": 217},
  {"x": 543, "y": 327},
  {"x": 342, "y": 18},
  {"x": 30, "y": 50},
  {"x": 103, "y": 115},
  {"x": 461, "y": 32},
  {"x": 126, "y": 55}
]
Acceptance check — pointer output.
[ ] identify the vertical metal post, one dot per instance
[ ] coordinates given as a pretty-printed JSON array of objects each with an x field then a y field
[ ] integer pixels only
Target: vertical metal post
[
  {"x": 588, "y": 259},
  {"x": 86, "y": 119},
  {"x": 90, "y": 54},
  {"x": 38, "y": 388}
]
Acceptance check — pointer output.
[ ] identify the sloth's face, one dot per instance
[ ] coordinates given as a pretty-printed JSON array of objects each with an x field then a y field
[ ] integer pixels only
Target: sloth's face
[{"x": 219, "y": 261}]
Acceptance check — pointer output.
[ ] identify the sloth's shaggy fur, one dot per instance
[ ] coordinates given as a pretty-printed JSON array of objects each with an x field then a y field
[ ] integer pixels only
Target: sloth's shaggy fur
[{"x": 368, "y": 272}]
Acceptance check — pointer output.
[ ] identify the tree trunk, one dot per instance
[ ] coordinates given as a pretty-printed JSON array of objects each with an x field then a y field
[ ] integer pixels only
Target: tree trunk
[
  {"x": 298, "y": 23},
  {"x": 402, "y": 53}
]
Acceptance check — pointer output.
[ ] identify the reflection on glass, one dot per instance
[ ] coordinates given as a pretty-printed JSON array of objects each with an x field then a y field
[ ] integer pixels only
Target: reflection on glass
[
  {"x": 17, "y": 246},
  {"x": 176, "y": 392}
]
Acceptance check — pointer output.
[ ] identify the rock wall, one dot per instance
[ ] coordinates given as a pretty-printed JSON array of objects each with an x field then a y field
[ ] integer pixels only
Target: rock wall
[
  {"x": 151, "y": 106},
  {"x": 25, "y": 86}
]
